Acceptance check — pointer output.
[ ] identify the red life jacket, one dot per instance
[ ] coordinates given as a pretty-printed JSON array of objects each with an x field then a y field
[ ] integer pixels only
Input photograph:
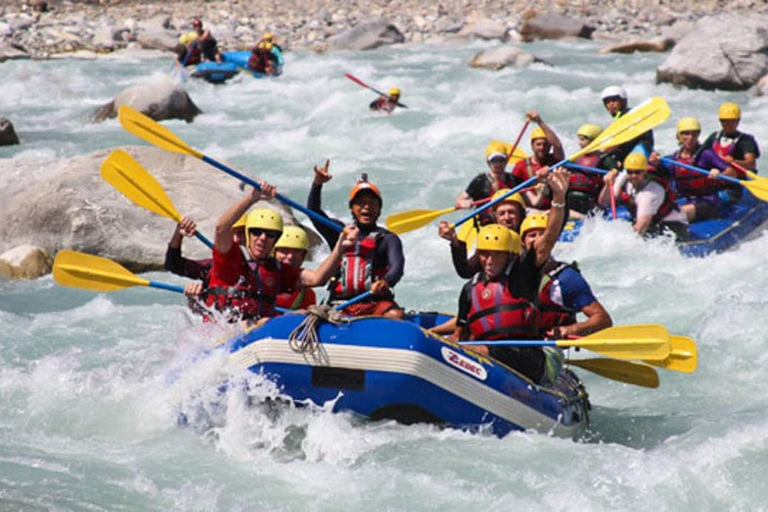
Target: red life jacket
[
  {"x": 509, "y": 182},
  {"x": 551, "y": 314},
  {"x": 690, "y": 183},
  {"x": 495, "y": 314},
  {"x": 297, "y": 299},
  {"x": 724, "y": 151},
  {"x": 667, "y": 206},
  {"x": 590, "y": 183},
  {"x": 253, "y": 296},
  {"x": 259, "y": 59},
  {"x": 356, "y": 273}
]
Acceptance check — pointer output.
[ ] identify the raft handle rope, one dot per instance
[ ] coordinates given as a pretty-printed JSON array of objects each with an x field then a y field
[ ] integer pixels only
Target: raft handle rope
[{"x": 304, "y": 339}]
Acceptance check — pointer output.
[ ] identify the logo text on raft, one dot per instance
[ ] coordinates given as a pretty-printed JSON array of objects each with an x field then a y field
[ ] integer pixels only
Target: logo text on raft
[{"x": 463, "y": 363}]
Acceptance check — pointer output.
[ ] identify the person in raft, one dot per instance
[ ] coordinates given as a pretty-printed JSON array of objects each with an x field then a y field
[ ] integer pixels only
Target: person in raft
[
  {"x": 700, "y": 192},
  {"x": 375, "y": 262},
  {"x": 247, "y": 290},
  {"x": 585, "y": 186},
  {"x": 291, "y": 249},
  {"x": 196, "y": 46},
  {"x": 547, "y": 150},
  {"x": 652, "y": 206},
  {"x": 386, "y": 103},
  {"x": 616, "y": 103},
  {"x": 500, "y": 301}
]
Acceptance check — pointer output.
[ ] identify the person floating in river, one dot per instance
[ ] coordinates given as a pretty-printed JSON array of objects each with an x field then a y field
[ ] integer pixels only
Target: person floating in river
[
  {"x": 375, "y": 262},
  {"x": 386, "y": 103},
  {"x": 247, "y": 290}
]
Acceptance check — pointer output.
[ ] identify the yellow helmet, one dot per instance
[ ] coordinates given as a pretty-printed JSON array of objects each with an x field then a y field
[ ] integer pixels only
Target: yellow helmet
[
  {"x": 293, "y": 237},
  {"x": 534, "y": 221},
  {"x": 394, "y": 91},
  {"x": 263, "y": 218},
  {"x": 688, "y": 124},
  {"x": 495, "y": 149},
  {"x": 589, "y": 131},
  {"x": 495, "y": 237},
  {"x": 514, "y": 198},
  {"x": 729, "y": 111},
  {"x": 636, "y": 162},
  {"x": 265, "y": 45},
  {"x": 240, "y": 223},
  {"x": 538, "y": 133},
  {"x": 268, "y": 36}
]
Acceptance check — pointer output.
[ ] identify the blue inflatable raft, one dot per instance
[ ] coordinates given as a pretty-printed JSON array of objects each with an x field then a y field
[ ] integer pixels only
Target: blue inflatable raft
[
  {"x": 232, "y": 63},
  {"x": 394, "y": 369},
  {"x": 739, "y": 221}
]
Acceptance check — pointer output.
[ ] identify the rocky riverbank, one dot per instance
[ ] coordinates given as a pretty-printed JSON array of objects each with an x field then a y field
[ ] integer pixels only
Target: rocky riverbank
[{"x": 48, "y": 28}]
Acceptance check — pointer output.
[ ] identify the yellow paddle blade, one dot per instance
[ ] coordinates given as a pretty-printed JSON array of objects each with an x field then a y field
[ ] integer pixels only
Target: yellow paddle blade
[
  {"x": 404, "y": 222},
  {"x": 125, "y": 174},
  {"x": 468, "y": 234},
  {"x": 153, "y": 132},
  {"x": 621, "y": 371},
  {"x": 634, "y": 123},
  {"x": 79, "y": 270},
  {"x": 644, "y": 341},
  {"x": 682, "y": 355},
  {"x": 518, "y": 155},
  {"x": 757, "y": 185}
]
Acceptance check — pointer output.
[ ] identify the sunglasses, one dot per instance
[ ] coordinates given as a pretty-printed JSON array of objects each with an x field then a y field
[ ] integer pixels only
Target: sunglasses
[
  {"x": 256, "y": 233},
  {"x": 498, "y": 160},
  {"x": 633, "y": 173}
]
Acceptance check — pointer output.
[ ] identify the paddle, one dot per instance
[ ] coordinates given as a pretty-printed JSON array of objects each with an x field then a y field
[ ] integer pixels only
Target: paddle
[
  {"x": 363, "y": 84},
  {"x": 403, "y": 222},
  {"x": 682, "y": 355},
  {"x": 648, "y": 342},
  {"x": 467, "y": 233},
  {"x": 757, "y": 185},
  {"x": 80, "y": 270},
  {"x": 354, "y": 300},
  {"x": 156, "y": 134},
  {"x": 125, "y": 174},
  {"x": 634, "y": 123},
  {"x": 621, "y": 371}
]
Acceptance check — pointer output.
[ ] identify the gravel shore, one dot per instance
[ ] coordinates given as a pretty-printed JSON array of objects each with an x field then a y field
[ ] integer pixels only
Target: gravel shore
[{"x": 44, "y": 28}]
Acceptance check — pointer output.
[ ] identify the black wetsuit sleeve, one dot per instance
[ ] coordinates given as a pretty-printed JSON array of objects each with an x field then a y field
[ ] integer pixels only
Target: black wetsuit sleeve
[
  {"x": 465, "y": 269},
  {"x": 181, "y": 266},
  {"x": 746, "y": 144},
  {"x": 314, "y": 203},
  {"x": 524, "y": 277},
  {"x": 174, "y": 262},
  {"x": 464, "y": 304},
  {"x": 393, "y": 252}
]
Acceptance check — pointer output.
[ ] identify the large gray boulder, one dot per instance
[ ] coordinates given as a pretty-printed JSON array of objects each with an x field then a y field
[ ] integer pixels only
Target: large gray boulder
[
  {"x": 162, "y": 100},
  {"x": 69, "y": 206},
  {"x": 158, "y": 39},
  {"x": 551, "y": 25},
  {"x": 8, "y": 135},
  {"x": 722, "y": 52},
  {"x": 483, "y": 29},
  {"x": 502, "y": 57},
  {"x": 367, "y": 36},
  {"x": 25, "y": 262}
]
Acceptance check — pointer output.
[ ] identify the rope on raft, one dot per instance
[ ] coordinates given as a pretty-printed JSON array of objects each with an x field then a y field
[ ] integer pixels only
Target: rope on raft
[{"x": 304, "y": 339}]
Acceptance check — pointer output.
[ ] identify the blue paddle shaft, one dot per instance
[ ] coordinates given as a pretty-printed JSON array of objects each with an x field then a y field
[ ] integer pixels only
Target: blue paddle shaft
[
  {"x": 670, "y": 161},
  {"x": 513, "y": 343},
  {"x": 289, "y": 202},
  {"x": 496, "y": 201},
  {"x": 585, "y": 168},
  {"x": 354, "y": 300},
  {"x": 165, "y": 286},
  {"x": 203, "y": 239}
]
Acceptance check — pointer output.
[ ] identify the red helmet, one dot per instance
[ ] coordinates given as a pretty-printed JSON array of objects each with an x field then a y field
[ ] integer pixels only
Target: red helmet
[
  {"x": 197, "y": 22},
  {"x": 361, "y": 185}
]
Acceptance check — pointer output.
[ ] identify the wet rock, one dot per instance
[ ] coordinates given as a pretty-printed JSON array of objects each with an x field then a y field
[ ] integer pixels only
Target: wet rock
[
  {"x": 162, "y": 100},
  {"x": 502, "y": 57},
  {"x": 8, "y": 135},
  {"x": 367, "y": 36},
  {"x": 484, "y": 29},
  {"x": 11, "y": 52},
  {"x": 713, "y": 58},
  {"x": 158, "y": 40},
  {"x": 552, "y": 25},
  {"x": 25, "y": 262}
]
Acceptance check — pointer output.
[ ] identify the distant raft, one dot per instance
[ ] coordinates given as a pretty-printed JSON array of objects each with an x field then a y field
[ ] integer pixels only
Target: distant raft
[
  {"x": 383, "y": 368},
  {"x": 232, "y": 64}
]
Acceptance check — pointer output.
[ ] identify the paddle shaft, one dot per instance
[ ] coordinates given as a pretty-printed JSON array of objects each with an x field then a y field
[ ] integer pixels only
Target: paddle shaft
[
  {"x": 353, "y": 300},
  {"x": 363, "y": 84},
  {"x": 242, "y": 177},
  {"x": 519, "y": 136},
  {"x": 179, "y": 289},
  {"x": 670, "y": 161}
]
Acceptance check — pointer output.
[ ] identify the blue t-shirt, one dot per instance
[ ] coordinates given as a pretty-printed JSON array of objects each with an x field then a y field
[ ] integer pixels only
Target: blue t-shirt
[{"x": 571, "y": 291}]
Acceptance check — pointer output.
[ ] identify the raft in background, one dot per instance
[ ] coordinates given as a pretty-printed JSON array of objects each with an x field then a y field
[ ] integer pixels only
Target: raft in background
[
  {"x": 232, "y": 63},
  {"x": 740, "y": 220},
  {"x": 382, "y": 368}
]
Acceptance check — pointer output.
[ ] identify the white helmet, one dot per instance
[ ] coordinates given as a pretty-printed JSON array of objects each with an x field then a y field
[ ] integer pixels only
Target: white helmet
[{"x": 614, "y": 91}]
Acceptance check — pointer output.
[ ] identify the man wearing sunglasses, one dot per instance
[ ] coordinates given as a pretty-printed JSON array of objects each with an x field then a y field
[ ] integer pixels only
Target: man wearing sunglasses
[
  {"x": 247, "y": 290},
  {"x": 653, "y": 208}
]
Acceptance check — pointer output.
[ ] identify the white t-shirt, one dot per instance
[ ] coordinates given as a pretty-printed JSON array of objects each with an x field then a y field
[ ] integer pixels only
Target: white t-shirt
[{"x": 649, "y": 199}]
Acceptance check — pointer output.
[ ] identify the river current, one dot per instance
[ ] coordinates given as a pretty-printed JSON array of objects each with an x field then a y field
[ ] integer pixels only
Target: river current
[{"x": 91, "y": 384}]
